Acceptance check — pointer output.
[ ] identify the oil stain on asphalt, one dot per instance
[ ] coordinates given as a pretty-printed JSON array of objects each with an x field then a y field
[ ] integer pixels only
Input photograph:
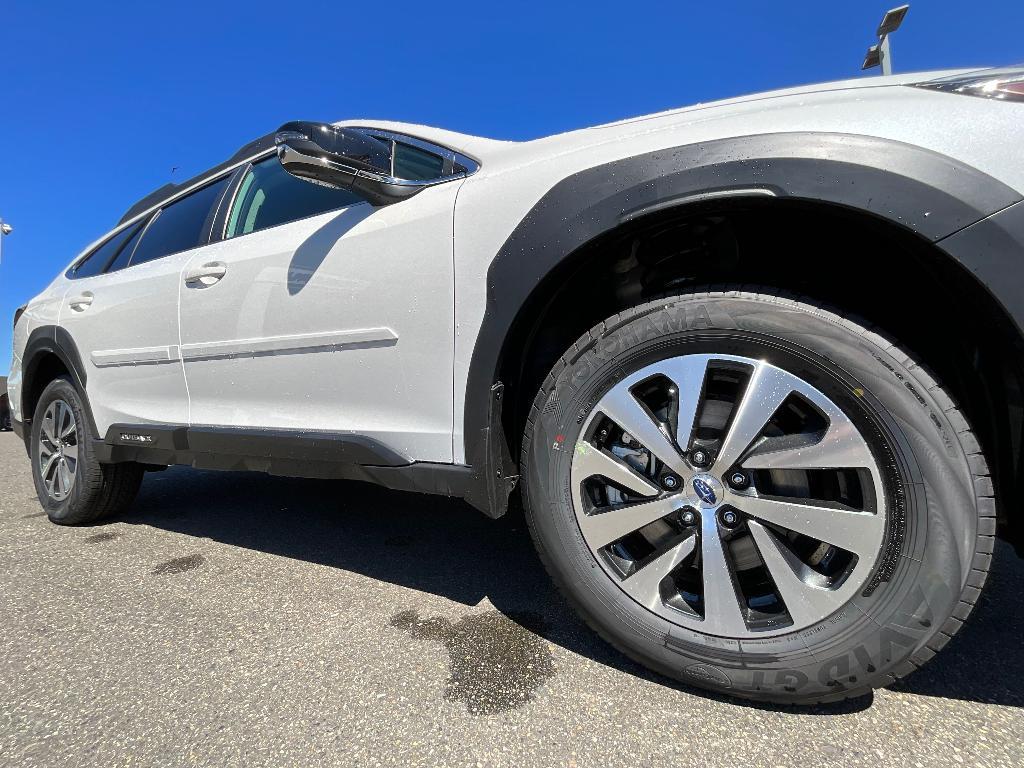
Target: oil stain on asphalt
[
  {"x": 179, "y": 565},
  {"x": 497, "y": 662},
  {"x": 105, "y": 536}
]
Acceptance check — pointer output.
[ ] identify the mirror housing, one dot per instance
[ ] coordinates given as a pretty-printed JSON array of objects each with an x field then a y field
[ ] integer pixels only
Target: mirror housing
[{"x": 342, "y": 158}]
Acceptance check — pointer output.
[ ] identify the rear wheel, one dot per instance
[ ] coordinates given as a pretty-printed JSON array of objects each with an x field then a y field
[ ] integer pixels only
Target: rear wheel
[
  {"x": 755, "y": 495},
  {"x": 72, "y": 486}
]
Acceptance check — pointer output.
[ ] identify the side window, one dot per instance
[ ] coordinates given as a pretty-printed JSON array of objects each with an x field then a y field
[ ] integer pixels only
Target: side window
[
  {"x": 179, "y": 226},
  {"x": 409, "y": 162},
  {"x": 97, "y": 261},
  {"x": 125, "y": 255},
  {"x": 269, "y": 195}
]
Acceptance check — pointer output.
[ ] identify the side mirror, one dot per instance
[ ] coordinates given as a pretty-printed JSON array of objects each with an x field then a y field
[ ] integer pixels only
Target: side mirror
[{"x": 341, "y": 158}]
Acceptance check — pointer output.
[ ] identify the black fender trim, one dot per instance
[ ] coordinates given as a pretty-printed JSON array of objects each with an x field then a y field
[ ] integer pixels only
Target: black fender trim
[
  {"x": 54, "y": 340},
  {"x": 924, "y": 192},
  {"x": 987, "y": 250},
  {"x": 993, "y": 250}
]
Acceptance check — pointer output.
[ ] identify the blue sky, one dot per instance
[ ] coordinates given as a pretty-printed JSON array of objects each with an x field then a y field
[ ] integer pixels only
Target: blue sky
[{"x": 99, "y": 101}]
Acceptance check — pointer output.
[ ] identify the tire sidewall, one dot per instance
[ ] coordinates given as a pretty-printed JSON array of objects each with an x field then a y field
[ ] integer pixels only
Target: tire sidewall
[
  {"x": 62, "y": 511},
  {"x": 859, "y": 645}
]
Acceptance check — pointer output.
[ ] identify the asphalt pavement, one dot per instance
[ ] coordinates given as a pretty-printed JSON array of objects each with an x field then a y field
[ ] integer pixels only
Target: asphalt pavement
[{"x": 245, "y": 620}]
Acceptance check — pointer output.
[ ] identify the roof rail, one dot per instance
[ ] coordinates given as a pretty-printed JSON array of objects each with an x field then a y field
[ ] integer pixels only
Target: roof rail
[{"x": 168, "y": 191}]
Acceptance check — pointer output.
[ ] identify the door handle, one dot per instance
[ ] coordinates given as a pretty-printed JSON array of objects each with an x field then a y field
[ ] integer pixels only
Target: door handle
[
  {"x": 81, "y": 302},
  {"x": 207, "y": 274}
]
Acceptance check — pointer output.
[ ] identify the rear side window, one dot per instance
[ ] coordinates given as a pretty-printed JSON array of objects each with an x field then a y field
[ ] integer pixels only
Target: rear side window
[
  {"x": 269, "y": 196},
  {"x": 180, "y": 225},
  {"x": 124, "y": 256},
  {"x": 97, "y": 261}
]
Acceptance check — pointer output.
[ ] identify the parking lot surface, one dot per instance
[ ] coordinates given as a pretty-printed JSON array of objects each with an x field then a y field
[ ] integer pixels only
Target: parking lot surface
[{"x": 245, "y": 620}]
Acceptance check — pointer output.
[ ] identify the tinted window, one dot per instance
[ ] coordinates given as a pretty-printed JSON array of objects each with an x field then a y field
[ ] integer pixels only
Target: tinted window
[
  {"x": 179, "y": 226},
  {"x": 125, "y": 254},
  {"x": 269, "y": 195},
  {"x": 97, "y": 261},
  {"x": 414, "y": 163}
]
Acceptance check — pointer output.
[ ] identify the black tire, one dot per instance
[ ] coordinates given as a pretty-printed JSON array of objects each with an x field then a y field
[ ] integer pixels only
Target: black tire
[
  {"x": 99, "y": 489},
  {"x": 938, "y": 550}
]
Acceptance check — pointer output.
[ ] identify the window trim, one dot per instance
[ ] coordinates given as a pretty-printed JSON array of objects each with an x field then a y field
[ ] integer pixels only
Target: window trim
[
  {"x": 207, "y": 228},
  {"x": 70, "y": 273},
  {"x": 218, "y": 223},
  {"x": 220, "y": 226}
]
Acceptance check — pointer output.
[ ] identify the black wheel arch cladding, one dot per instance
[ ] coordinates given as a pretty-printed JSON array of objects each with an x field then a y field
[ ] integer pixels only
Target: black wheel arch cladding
[
  {"x": 926, "y": 193},
  {"x": 44, "y": 341}
]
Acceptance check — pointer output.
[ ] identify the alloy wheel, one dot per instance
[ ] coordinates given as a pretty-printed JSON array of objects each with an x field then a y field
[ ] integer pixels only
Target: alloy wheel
[
  {"x": 729, "y": 496},
  {"x": 58, "y": 450}
]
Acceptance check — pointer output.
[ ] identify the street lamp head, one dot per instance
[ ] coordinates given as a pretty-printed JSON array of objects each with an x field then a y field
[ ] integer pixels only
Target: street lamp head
[
  {"x": 6, "y": 228},
  {"x": 872, "y": 58},
  {"x": 892, "y": 20}
]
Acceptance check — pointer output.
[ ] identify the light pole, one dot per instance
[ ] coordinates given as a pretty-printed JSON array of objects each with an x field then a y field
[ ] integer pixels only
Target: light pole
[
  {"x": 5, "y": 229},
  {"x": 881, "y": 54}
]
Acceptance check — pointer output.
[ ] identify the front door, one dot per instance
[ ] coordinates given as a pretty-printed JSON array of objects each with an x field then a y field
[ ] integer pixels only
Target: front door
[{"x": 325, "y": 314}]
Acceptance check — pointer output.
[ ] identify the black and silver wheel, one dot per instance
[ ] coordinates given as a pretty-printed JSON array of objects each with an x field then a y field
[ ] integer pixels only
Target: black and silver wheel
[
  {"x": 72, "y": 485},
  {"x": 757, "y": 496},
  {"x": 58, "y": 450}
]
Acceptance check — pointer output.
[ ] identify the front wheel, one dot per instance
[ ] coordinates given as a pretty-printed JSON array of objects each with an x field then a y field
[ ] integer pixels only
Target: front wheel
[{"x": 755, "y": 495}]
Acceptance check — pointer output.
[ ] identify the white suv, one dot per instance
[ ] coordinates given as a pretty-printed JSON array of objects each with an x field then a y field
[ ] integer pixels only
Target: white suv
[{"x": 708, "y": 343}]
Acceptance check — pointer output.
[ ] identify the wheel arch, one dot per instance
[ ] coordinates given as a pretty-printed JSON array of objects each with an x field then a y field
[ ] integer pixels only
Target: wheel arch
[
  {"x": 50, "y": 352},
  {"x": 912, "y": 195}
]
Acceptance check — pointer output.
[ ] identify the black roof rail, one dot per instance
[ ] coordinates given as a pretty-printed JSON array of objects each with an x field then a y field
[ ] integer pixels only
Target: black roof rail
[{"x": 168, "y": 191}]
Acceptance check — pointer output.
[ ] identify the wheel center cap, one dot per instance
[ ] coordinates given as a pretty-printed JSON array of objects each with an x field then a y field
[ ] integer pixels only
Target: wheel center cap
[{"x": 707, "y": 490}]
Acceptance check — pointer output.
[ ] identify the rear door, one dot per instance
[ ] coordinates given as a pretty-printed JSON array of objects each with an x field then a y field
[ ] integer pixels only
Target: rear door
[
  {"x": 121, "y": 309},
  {"x": 331, "y": 315}
]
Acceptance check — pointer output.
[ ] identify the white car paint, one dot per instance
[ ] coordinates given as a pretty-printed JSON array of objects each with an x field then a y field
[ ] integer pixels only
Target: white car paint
[
  {"x": 133, "y": 317},
  {"x": 338, "y": 322},
  {"x": 428, "y": 285}
]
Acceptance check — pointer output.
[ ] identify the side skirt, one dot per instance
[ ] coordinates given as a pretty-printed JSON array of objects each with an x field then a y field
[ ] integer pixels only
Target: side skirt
[{"x": 330, "y": 455}]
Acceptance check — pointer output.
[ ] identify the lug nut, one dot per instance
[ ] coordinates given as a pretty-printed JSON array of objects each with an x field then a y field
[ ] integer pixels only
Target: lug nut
[
  {"x": 730, "y": 519},
  {"x": 670, "y": 482},
  {"x": 699, "y": 457},
  {"x": 689, "y": 517},
  {"x": 739, "y": 480}
]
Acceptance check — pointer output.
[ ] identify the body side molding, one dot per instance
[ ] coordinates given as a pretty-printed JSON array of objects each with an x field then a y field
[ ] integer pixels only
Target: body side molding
[
  {"x": 308, "y": 342},
  {"x": 267, "y": 345},
  {"x": 111, "y": 357}
]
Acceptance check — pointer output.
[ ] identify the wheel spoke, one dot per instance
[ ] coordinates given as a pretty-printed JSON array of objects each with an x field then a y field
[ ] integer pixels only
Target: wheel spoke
[
  {"x": 687, "y": 373},
  {"x": 590, "y": 461},
  {"x": 722, "y": 612},
  {"x": 766, "y": 390},
  {"x": 842, "y": 447},
  {"x": 805, "y": 602},
  {"x": 620, "y": 406},
  {"x": 852, "y": 530},
  {"x": 49, "y": 428},
  {"x": 602, "y": 528},
  {"x": 51, "y": 460},
  {"x": 68, "y": 420},
  {"x": 644, "y": 585},
  {"x": 71, "y": 451},
  {"x": 65, "y": 476},
  {"x": 58, "y": 478}
]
